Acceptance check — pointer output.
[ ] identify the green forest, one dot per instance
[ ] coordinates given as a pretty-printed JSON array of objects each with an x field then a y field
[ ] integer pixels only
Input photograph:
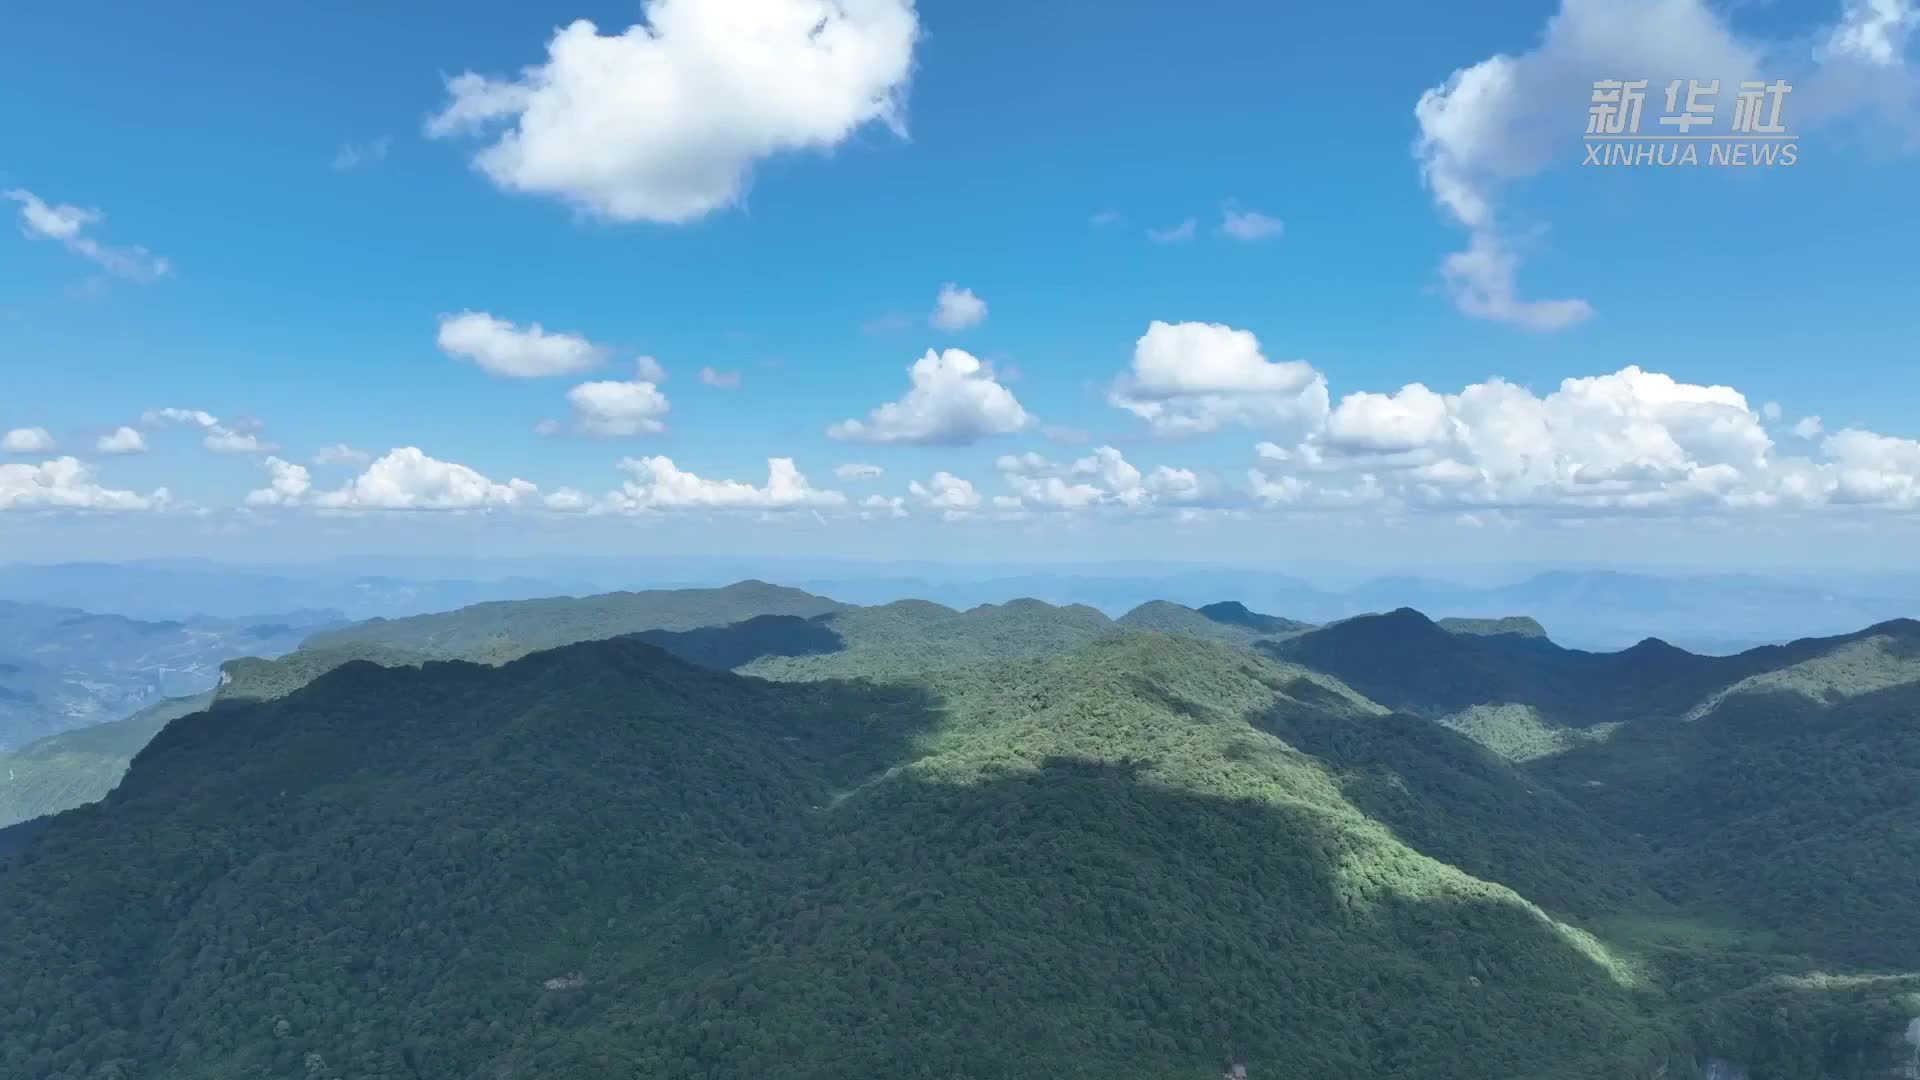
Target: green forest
[{"x": 590, "y": 839}]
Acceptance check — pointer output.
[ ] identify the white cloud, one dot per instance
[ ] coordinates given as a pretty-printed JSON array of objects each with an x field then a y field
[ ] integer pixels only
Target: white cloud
[
  {"x": 1102, "y": 478},
  {"x": 957, "y": 308},
  {"x": 1867, "y": 469},
  {"x": 665, "y": 121},
  {"x": 69, "y": 224},
  {"x": 1508, "y": 118},
  {"x": 501, "y": 348},
  {"x": 1243, "y": 224},
  {"x": 1633, "y": 441},
  {"x": 948, "y": 493},
  {"x": 1771, "y": 410},
  {"x": 341, "y": 454},
  {"x": 720, "y": 380},
  {"x": 657, "y": 484},
  {"x": 954, "y": 400},
  {"x": 650, "y": 370},
  {"x": 1101, "y": 219},
  {"x": 857, "y": 471},
  {"x": 1808, "y": 427},
  {"x": 67, "y": 484},
  {"x": 122, "y": 440},
  {"x": 28, "y": 440},
  {"x": 1872, "y": 32},
  {"x": 1176, "y": 234},
  {"x": 1198, "y": 377},
  {"x": 354, "y": 155},
  {"x": 225, "y": 441},
  {"x": 567, "y": 500},
  {"x": 288, "y": 486},
  {"x": 1481, "y": 282},
  {"x": 219, "y": 438},
  {"x": 403, "y": 479},
  {"x": 620, "y": 408},
  {"x": 893, "y": 506}
]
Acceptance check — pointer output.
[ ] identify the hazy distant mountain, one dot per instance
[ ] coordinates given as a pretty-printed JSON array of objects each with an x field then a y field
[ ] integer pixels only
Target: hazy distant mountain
[
  {"x": 172, "y": 591},
  {"x": 1585, "y": 608},
  {"x": 62, "y": 669}
]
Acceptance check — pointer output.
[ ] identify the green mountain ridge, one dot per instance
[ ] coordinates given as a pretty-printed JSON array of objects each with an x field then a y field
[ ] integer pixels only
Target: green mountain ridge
[
  {"x": 827, "y": 841},
  {"x": 1117, "y": 856}
]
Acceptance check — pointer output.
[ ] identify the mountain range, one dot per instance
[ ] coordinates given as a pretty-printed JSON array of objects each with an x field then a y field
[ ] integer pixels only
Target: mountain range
[
  {"x": 751, "y": 832},
  {"x": 62, "y": 668},
  {"x": 1589, "y": 608}
]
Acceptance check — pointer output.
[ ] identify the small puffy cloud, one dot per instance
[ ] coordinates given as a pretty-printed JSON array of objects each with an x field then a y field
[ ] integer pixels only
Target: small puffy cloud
[
  {"x": 1102, "y": 478},
  {"x": 666, "y": 121},
  {"x": 1176, "y": 234},
  {"x": 619, "y": 408},
  {"x": 858, "y": 471},
  {"x": 892, "y": 506},
  {"x": 1481, "y": 281},
  {"x": 219, "y": 438},
  {"x": 1103, "y": 218},
  {"x": 1808, "y": 427},
  {"x": 947, "y": 493},
  {"x": 122, "y": 440},
  {"x": 957, "y": 308},
  {"x": 354, "y": 155},
  {"x": 67, "y": 484},
  {"x": 1771, "y": 410},
  {"x": 288, "y": 484},
  {"x": 28, "y": 440},
  {"x": 656, "y": 483},
  {"x": 68, "y": 225},
  {"x": 402, "y": 479},
  {"x": 225, "y": 441},
  {"x": 340, "y": 454},
  {"x": 719, "y": 380},
  {"x": 649, "y": 370},
  {"x": 1243, "y": 224},
  {"x": 1198, "y": 377},
  {"x": 501, "y": 348},
  {"x": 954, "y": 400},
  {"x": 567, "y": 501}
]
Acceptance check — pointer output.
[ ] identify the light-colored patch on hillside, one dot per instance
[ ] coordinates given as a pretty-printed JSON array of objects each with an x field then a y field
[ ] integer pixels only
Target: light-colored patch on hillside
[
  {"x": 1850, "y": 670},
  {"x": 1519, "y": 732}
]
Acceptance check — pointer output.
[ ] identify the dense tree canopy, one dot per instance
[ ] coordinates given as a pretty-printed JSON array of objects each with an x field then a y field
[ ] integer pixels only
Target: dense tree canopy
[{"x": 1014, "y": 842}]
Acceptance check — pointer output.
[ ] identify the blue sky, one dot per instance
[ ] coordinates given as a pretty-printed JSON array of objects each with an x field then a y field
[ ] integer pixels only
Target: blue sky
[{"x": 320, "y": 232}]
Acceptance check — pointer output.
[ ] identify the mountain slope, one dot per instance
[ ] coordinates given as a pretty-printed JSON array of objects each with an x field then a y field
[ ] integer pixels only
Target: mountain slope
[
  {"x": 1406, "y": 661},
  {"x": 602, "y": 862},
  {"x": 75, "y": 767}
]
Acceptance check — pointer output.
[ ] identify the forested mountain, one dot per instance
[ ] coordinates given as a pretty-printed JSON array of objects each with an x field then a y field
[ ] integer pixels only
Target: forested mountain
[
  {"x": 504, "y": 630},
  {"x": 62, "y": 669},
  {"x": 751, "y": 627},
  {"x": 1018, "y": 841}
]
